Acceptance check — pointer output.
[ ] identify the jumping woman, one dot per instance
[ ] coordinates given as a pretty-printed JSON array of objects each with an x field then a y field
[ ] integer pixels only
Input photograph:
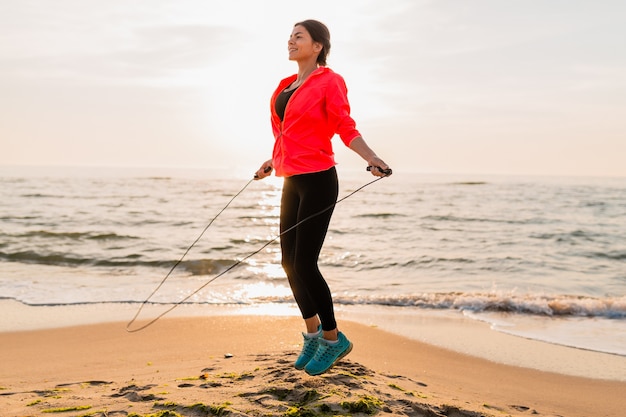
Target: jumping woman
[{"x": 307, "y": 110}]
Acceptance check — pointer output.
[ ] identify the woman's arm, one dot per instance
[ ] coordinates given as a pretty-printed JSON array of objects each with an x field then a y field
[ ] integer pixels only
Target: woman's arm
[{"x": 359, "y": 146}]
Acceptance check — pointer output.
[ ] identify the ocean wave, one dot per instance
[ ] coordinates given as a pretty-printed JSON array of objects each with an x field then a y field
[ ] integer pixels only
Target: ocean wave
[
  {"x": 613, "y": 255},
  {"x": 542, "y": 305},
  {"x": 425, "y": 262},
  {"x": 18, "y": 218},
  {"x": 156, "y": 178},
  {"x": 207, "y": 266},
  {"x": 462, "y": 220},
  {"x": 380, "y": 215},
  {"x": 576, "y": 235},
  {"x": 65, "y": 259},
  {"x": 469, "y": 183},
  {"x": 42, "y": 195},
  {"x": 194, "y": 267},
  {"x": 74, "y": 235},
  {"x": 535, "y": 305},
  {"x": 532, "y": 305}
]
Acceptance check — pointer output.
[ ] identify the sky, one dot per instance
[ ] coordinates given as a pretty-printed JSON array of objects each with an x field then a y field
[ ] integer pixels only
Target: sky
[{"x": 532, "y": 87}]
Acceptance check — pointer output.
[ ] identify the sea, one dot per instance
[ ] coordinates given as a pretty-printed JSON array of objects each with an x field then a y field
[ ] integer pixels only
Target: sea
[{"x": 542, "y": 258}]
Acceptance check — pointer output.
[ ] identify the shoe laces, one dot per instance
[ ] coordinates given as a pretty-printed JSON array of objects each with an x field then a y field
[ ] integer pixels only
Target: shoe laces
[
  {"x": 327, "y": 351},
  {"x": 310, "y": 346}
]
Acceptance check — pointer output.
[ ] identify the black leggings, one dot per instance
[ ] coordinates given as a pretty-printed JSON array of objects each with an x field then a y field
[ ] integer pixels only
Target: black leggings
[{"x": 303, "y": 196}]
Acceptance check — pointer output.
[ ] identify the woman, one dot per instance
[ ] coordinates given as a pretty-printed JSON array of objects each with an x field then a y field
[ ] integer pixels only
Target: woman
[{"x": 307, "y": 110}]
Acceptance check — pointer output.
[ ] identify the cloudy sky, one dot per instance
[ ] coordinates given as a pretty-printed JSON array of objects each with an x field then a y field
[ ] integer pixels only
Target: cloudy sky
[{"x": 480, "y": 87}]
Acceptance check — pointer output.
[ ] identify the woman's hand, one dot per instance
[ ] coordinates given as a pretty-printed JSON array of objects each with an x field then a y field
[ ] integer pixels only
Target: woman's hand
[
  {"x": 264, "y": 171},
  {"x": 378, "y": 167}
]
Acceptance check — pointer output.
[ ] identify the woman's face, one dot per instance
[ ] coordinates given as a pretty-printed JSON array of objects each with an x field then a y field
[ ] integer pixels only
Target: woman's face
[{"x": 301, "y": 46}]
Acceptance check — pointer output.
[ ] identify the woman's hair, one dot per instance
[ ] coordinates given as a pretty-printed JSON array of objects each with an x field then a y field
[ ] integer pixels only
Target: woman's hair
[{"x": 319, "y": 33}]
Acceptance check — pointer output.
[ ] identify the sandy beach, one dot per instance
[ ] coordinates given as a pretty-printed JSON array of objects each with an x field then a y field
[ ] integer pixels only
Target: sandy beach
[{"x": 242, "y": 365}]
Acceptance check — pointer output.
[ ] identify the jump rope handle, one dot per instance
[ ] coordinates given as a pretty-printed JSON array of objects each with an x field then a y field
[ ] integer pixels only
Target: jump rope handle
[
  {"x": 266, "y": 170},
  {"x": 387, "y": 171}
]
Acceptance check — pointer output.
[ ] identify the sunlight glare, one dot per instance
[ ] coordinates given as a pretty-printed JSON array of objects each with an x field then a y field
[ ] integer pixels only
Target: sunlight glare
[{"x": 262, "y": 290}]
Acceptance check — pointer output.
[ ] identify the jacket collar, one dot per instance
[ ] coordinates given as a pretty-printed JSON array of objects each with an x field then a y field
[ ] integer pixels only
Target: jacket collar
[{"x": 286, "y": 81}]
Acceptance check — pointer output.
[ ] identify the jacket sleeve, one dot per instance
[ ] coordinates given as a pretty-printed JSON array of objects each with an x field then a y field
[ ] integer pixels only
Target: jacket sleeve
[{"x": 338, "y": 109}]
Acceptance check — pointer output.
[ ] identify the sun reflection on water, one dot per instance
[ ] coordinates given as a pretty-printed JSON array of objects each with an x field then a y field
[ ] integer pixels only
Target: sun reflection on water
[
  {"x": 262, "y": 290},
  {"x": 269, "y": 205},
  {"x": 272, "y": 270}
]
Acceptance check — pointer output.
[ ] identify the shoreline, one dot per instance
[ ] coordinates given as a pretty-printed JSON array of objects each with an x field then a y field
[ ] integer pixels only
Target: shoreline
[
  {"x": 244, "y": 363},
  {"x": 451, "y": 331}
]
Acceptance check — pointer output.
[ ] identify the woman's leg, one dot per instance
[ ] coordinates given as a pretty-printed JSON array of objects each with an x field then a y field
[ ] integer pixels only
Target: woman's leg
[
  {"x": 310, "y": 199},
  {"x": 304, "y": 196}
]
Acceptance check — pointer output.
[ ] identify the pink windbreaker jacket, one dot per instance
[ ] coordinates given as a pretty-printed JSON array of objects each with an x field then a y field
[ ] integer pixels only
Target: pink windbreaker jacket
[{"x": 316, "y": 111}]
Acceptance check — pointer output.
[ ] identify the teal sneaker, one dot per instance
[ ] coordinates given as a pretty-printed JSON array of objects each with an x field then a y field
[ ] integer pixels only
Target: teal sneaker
[
  {"x": 328, "y": 354},
  {"x": 309, "y": 347}
]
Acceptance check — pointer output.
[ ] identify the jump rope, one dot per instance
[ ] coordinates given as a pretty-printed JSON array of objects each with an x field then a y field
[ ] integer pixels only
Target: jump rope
[{"x": 385, "y": 172}]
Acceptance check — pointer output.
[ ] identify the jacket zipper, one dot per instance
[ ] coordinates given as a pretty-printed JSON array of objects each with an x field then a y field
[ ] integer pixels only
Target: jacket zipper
[{"x": 282, "y": 122}]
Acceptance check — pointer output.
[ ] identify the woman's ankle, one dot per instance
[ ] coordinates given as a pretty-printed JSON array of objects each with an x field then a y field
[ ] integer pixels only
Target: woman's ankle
[
  {"x": 331, "y": 335},
  {"x": 312, "y": 324}
]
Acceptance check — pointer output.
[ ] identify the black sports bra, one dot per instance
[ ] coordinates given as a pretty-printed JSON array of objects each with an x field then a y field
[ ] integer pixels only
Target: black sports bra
[{"x": 281, "y": 102}]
